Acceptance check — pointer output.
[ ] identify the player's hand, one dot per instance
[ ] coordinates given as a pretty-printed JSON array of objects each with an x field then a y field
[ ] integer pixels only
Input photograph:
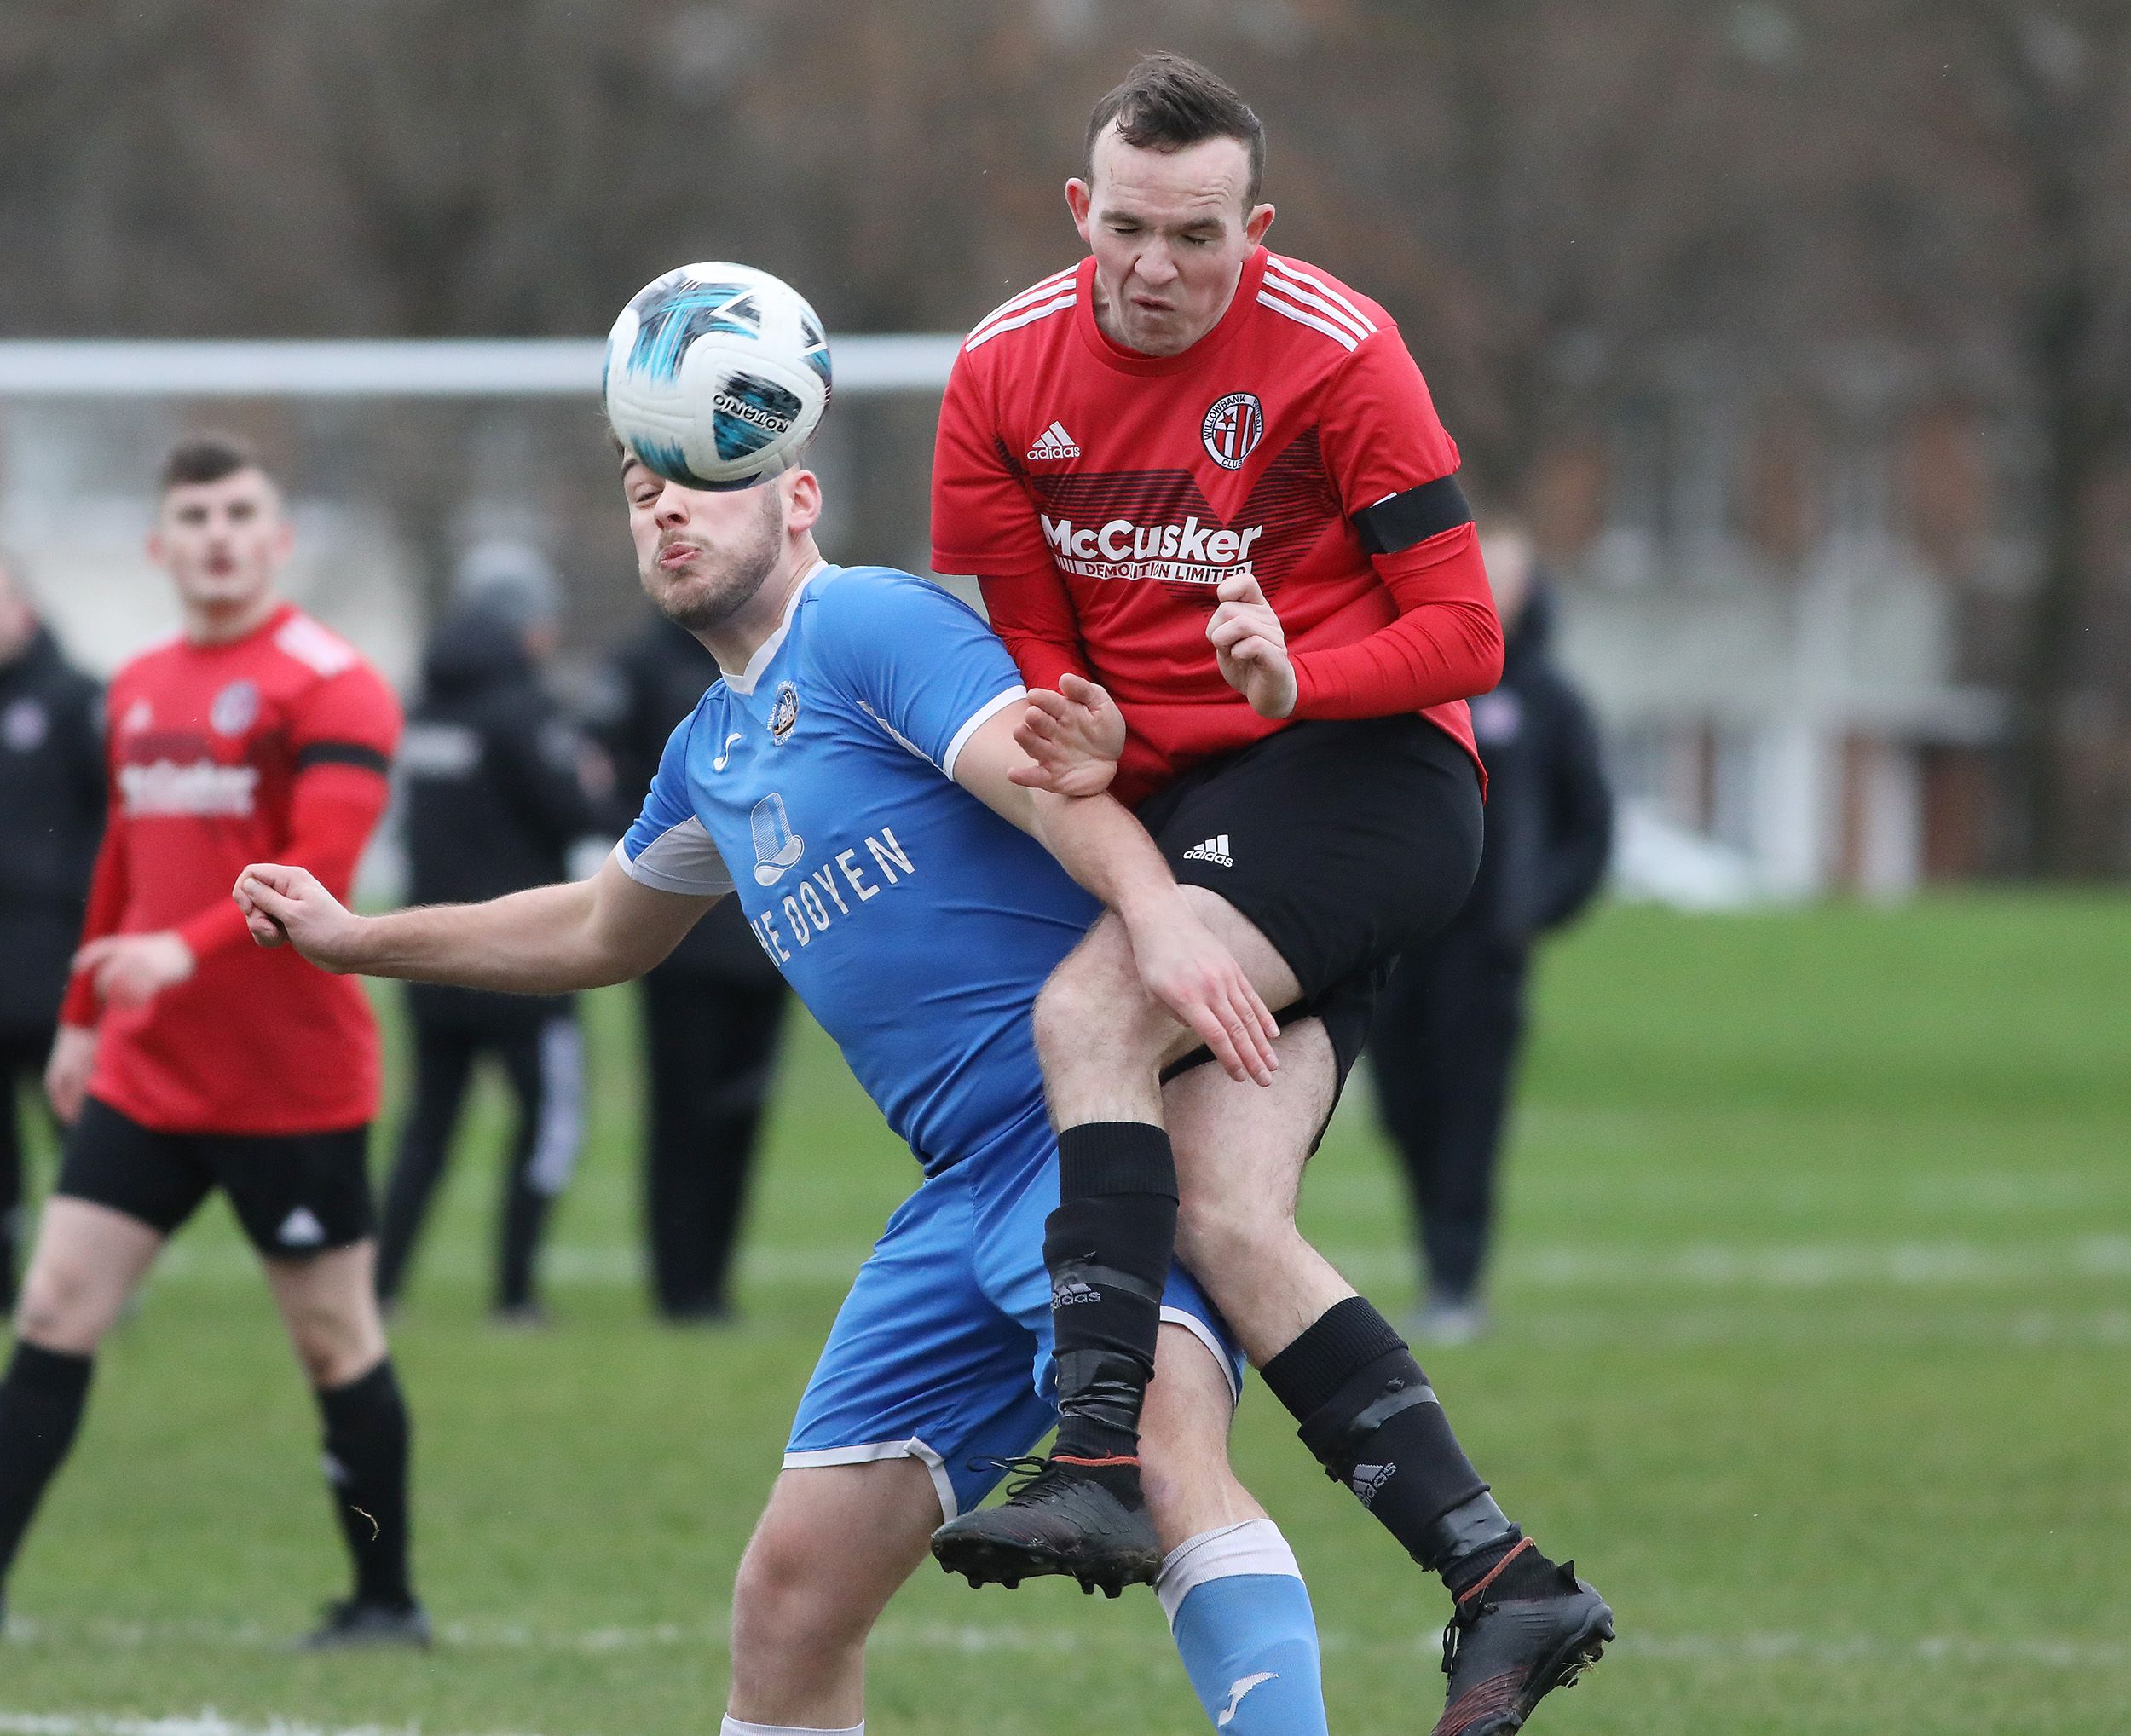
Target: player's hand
[
  {"x": 1185, "y": 967},
  {"x": 1072, "y": 738},
  {"x": 66, "y": 1074},
  {"x": 131, "y": 970},
  {"x": 287, "y": 905},
  {"x": 1250, "y": 645}
]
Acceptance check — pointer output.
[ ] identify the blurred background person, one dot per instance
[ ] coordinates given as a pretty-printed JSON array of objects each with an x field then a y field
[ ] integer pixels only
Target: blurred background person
[
  {"x": 498, "y": 782},
  {"x": 1449, "y": 1029},
  {"x": 52, "y": 793},
  {"x": 713, "y": 1019},
  {"x": 188, "y": 1061}
]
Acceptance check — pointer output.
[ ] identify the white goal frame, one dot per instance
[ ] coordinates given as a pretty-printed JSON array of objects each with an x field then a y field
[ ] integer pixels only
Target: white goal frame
[{"x": 867, "y": 365}]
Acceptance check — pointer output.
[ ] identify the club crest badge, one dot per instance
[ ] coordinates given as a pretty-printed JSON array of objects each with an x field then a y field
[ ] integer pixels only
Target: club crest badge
[
  {"x": 236, "y": 707},
  {"x": 1232, "y": 429},
  {"x": 24, "y": 726},
  {"x": 784, "y": 714}
]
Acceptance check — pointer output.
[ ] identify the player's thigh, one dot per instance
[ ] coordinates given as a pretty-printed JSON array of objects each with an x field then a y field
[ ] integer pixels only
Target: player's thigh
[
  {"x": 329, "y": 1304},
  {"x": 922, "y": 1364},
  {"x": 89, "y": 1260},
  {"x": 1184, "y": 1441},
  {"x": 832, "y": 1547},
  {"x": 1340, "y": 843},
  {"x": 1095, "y": 995},
  {"x": 1240, "y": 1147}
]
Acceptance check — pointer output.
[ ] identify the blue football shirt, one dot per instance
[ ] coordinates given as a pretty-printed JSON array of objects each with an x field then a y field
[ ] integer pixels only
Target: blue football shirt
[{"x": 817, "y": 785}]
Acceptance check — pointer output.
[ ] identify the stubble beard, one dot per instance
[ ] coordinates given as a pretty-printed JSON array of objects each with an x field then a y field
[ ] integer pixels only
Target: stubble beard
[{"x": 726, "y": 582}]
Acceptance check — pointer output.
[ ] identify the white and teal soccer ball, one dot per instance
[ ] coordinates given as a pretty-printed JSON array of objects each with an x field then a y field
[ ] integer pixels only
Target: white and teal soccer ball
[{"x": 717, "y": 376}]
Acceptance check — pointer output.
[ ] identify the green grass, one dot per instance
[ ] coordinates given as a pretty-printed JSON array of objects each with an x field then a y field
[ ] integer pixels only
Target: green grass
[{"x": 1815, "y": 1308}]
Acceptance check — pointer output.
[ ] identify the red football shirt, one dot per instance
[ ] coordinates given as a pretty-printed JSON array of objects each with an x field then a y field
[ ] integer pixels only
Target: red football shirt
[
  {"x": 1101, "y": 495},
  {"x": 273, "y": 748}
]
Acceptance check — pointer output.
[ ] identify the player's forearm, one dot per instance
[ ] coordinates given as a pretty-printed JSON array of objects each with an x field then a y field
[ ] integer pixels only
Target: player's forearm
[
  {"x": 1097, "y": 841},
  {"x": 545, "y": 941},
  {"x": 332, "y": 812},
  {"x": 1447, "y": 643}
]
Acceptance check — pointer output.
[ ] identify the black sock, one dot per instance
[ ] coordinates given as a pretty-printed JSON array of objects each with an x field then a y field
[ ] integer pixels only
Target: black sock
[
  {"x": 1108, "y": 1247},
  {"x": 1368, "y": 1413},
  {"x": 365, "y": 1467},
  {"x": 42, "y": 1397},
  {"x": 525, "y": 1215}
]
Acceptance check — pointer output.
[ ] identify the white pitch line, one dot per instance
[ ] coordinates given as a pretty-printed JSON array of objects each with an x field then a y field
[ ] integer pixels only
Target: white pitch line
[
  {"x": 207, "y": 1721},
  {"x": 1707, "y": 1266},
  {"x": 977, "y": 1638}
]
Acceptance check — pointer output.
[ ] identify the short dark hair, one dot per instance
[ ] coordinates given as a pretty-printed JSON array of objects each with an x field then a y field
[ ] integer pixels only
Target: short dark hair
[
  {"x": 1167, "y": 102},
  {"x": 208, "y": 458}
]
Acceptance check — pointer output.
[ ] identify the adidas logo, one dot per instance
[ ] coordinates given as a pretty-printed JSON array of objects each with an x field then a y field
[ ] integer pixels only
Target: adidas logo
[
  {"x": 1214, "y": 850},
  {"x": 300, "y": 1229},
  {"x": 1069, "y": 1290},
  {"x": 1053, "y": 442},
  {"x": 1368, "y": 1481}
]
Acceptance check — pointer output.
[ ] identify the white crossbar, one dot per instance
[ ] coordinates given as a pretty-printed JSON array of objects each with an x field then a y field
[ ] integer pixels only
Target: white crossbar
[{"x": 451, "y": 367}]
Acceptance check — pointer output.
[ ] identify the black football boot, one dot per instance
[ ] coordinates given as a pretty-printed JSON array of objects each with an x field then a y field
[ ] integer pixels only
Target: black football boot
[
  {"x": 1079, "y": 1519},
  {"x": 1504, "y": 1657},
  {"x": 351, "y": 1624}
]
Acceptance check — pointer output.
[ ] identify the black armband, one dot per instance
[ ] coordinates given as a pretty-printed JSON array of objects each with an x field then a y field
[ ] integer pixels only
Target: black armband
[
  {"x": 1399, "y": 520},
  {"x": 342, "y": 754}
]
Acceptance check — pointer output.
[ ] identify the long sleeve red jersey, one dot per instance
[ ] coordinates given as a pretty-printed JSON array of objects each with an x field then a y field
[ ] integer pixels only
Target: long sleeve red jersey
[
  {"x": 273, "y": 748},
  {"x": 1101, "y": 496}
]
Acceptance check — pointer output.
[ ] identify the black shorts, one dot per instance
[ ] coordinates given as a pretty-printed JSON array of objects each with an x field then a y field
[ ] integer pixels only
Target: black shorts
[
  {"x": 1345, "y": 843},
  {"x": 297, "y": 1195}
]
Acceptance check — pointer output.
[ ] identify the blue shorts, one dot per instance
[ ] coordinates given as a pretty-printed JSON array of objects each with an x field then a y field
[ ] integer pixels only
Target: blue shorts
[{"x": 942, "y": 1351}]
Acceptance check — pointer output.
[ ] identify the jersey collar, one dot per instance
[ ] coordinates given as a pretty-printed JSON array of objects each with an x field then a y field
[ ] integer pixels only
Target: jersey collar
[
  {"x": 1130, "y": 362},
  {"x": 744, "y": 682}
]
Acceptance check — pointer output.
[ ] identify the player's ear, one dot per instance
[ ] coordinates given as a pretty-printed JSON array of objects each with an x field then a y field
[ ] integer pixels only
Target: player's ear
[
  {"x": 802, "y": 501},
  {"x": 1255, "y": 225},
  {"x": 1079, "y": 199}
]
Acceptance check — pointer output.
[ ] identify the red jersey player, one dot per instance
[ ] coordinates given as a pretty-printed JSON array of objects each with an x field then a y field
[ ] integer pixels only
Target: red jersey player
[
  {"x": 188, "y": 1059},
  {"x": 1211, "y": 478}
]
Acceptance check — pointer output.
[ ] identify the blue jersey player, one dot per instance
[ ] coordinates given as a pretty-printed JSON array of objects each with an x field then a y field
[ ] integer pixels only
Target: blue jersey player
[{"x": 851, "y": 780}]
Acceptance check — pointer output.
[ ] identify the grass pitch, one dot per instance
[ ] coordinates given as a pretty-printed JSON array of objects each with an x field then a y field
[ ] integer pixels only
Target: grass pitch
[{"x": 1815, "y": 1311}]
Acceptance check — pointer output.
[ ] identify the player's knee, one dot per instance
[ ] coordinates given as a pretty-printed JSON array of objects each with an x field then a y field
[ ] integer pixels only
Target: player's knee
[
  {"x": 62, "y": 1306},
  {"x": 1092, "y": 1012},
  {"x": 786, "y": 1595},
  {"x": 332, "y": 1348},
  {"x": 1231, "y": 1230}
]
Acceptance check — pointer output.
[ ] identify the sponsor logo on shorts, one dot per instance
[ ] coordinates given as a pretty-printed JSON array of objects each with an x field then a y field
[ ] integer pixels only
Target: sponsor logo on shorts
[
  {"x": 300, "y": 1229},
  {"x": 1214, "y": 850}
]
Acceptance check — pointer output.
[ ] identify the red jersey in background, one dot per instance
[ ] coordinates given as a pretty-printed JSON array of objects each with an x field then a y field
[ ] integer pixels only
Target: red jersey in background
[
  {"x": 1101, "y": 495},
  {"x": 273, "y": 748}
]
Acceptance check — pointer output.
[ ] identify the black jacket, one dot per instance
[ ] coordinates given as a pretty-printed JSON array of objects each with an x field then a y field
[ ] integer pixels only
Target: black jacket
[
  {"x": 51, "y": 817},
  {"x": 658, "y": 677},
  {"x": 1550, "y": 813},
  {"x": 492, "y": 789}
]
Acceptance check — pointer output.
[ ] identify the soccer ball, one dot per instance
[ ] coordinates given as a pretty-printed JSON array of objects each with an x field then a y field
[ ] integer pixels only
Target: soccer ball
[{"x": 716, "y": 375}]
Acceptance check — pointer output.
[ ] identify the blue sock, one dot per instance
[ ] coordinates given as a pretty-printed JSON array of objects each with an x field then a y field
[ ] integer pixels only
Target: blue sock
[{"x": 1241, "y": 1616}]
